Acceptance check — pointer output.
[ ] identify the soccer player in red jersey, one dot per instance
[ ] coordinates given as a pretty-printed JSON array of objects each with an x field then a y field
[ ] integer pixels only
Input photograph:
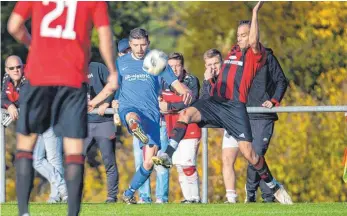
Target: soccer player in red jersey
[
  {"x": 57, "y": 65},
  {"x": 226, "y": 107}
]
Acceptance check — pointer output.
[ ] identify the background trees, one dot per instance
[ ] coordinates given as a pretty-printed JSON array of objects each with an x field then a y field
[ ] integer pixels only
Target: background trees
[{"x": 308, "y": 38}]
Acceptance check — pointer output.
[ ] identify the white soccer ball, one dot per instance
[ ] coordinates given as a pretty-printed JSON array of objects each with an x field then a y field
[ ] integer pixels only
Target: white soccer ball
[{"x": 155, "y": 62}]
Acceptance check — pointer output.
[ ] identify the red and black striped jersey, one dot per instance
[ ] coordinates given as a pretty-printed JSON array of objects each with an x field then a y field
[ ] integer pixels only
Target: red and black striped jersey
[{"x": 237, "y": 73}]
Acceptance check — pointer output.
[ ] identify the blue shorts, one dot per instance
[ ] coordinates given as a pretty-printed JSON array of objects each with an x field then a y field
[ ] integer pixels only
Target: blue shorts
[{"x": 149, "y": 122}]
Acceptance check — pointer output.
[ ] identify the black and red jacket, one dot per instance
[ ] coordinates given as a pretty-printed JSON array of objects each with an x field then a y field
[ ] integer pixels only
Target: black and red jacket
[{"x": 10, "y": 92}]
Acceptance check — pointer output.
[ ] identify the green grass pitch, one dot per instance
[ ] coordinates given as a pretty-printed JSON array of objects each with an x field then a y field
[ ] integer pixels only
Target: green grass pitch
[{"x": 96, "y": 209}]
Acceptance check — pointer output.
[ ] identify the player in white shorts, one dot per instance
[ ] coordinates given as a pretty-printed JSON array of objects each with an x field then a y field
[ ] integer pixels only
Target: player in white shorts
[{"x": 185, "y": 156}]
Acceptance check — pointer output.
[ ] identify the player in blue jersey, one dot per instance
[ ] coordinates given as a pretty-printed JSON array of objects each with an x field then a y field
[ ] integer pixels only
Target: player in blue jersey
[{"x": 138, "y": 103}]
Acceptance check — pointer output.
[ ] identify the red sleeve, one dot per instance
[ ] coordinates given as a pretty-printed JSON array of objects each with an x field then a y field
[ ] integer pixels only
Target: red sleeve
[
  {"x": 100, "y": 14},
  {"x": 276, "y": 103},
  {"x": 257, "y": 57},
  {"x": 24, "y": 9}
]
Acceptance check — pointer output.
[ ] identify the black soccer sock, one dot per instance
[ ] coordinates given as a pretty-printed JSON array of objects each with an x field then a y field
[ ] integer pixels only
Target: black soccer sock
[
  {"x": 178, "y": 134},
  {"x": 74, "y": 180},
  {"x": 264, "y": 171},
  {"x": 24, "y": 179},
  {"x": 179, "y": 131},
  {"x": 170, "y": 151}
]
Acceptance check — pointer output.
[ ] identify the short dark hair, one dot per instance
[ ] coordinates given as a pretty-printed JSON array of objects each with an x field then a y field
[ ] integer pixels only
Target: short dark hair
[
  {"x": 138, "y": 33},
  {"x": 244, "y": 22},
  {"x": 177, "y": 56},
  {"x": 213, "y": 53}
]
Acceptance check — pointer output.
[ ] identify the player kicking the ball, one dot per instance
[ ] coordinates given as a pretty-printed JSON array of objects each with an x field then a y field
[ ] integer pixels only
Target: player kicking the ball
[
  {"x": 138, "y": 102},
  {"x": 226, "y": 106},
  {"x": 56, "y": 95}
]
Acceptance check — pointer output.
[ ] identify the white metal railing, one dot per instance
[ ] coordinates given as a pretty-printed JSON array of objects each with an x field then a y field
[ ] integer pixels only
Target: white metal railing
[{"x": 290, "y": 109}]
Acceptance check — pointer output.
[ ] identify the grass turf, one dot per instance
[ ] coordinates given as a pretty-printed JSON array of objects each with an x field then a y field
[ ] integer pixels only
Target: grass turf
[{"x": 96, "y": 209}]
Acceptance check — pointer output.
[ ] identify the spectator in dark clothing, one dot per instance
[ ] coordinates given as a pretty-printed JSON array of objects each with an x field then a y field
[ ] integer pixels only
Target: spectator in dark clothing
[
  {"x": 12, "y": 82},
  {"x": 101, "y": 129},
  {"x": 267, "y": 90}
]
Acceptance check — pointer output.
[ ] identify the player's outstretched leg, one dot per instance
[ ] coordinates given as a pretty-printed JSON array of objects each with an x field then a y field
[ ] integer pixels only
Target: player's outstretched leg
[
  {"x": 24, "y": 171},
  {"x": 189, "y": 115},
  {"x": 141, "y": 175},
  {"x": 263, "y": 170},
  {"x": 134, "y": 125},
  {"x": 280, "y": 193}
]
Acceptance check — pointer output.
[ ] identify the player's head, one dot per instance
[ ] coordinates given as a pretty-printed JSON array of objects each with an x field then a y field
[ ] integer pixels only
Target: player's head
[
  {"x": 243, "y": 33},
  {"x": 176, "y": 62},
  {"x": 14, "y": 67},
  {"x": 139, "y": 42},
  {"x": 123, "y": 47},
  {"x": 213, "y": 59}
]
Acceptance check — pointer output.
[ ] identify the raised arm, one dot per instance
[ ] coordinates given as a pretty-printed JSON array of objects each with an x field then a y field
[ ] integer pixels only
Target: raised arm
[{"x": 254, "y": 30}]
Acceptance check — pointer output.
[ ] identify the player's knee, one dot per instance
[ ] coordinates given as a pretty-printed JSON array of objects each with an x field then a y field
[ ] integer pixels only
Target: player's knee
[
  {"x": 179, "y": 169},
  {"x": 184, "y": 117},
  {"x": 228, "y": 161},
  {"x": 189, "y": 170},
  {"x": 248, "y": 156},
  {"x": 132, "y": 115},
  {"x": 148, "y": 164}
]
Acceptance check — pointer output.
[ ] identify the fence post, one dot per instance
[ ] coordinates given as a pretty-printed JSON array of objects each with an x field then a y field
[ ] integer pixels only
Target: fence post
[
  {"x": 204, "y": 165},
  {"x": 2, "y": 163}
]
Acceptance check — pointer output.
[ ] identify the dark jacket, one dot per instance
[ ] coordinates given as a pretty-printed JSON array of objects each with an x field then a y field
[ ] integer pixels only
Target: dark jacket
[
  {"x": 192, "y": 82},
  {"x": 269, "y": 83},
  {"x": 97, "y": 76},
  {"x": 9, "y": 92}
]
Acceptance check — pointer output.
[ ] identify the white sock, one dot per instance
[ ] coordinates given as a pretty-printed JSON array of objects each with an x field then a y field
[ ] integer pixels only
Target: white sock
[
  {"x": 231, "y": 195},
  {"x": 183, "y": 182},
  {"x": 272, "y": 184},
  {"x": 193, "y": 184}
]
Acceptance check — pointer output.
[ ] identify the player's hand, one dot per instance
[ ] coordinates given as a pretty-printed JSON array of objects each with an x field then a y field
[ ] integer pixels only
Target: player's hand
[
  {"x": 187, "y": 97},
  {"x": 163, "y": 106},
  {"x": 113, "y": 81},
  {"x": 258, "y": 6},
  {"x": 116, "y": 120},
  {"x": 209, "y": 73},
  {"x": 115, "y": 104},
  {"x": 102, "y": 109},
  {"x": 91, "y": 106},
  {"x": 268, "y": 104},
  {"x": 13, "y": 111}
]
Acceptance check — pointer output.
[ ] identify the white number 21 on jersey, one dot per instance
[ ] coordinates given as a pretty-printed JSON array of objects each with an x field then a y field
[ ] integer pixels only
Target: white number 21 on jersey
[{"x": 58, "y": 31}]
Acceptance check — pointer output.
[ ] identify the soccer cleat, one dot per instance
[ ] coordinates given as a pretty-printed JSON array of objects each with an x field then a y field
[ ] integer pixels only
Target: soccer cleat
[
  {"x": 64, "y": 199},
  {"x": 160, "y": 201},
  {"x": 190, "y": 201},
  {"x": 144, "y": 201},
  {"x": 53, "y": 200},
  {"x": 163, "y": 159},
  {"x": 111, "y": 200},
  {"x": 128, "y": 200},
  {"x": 281, "y": 194},
  {"x": 137, "y": 131},
  {"x": 231, "y": 200}
]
